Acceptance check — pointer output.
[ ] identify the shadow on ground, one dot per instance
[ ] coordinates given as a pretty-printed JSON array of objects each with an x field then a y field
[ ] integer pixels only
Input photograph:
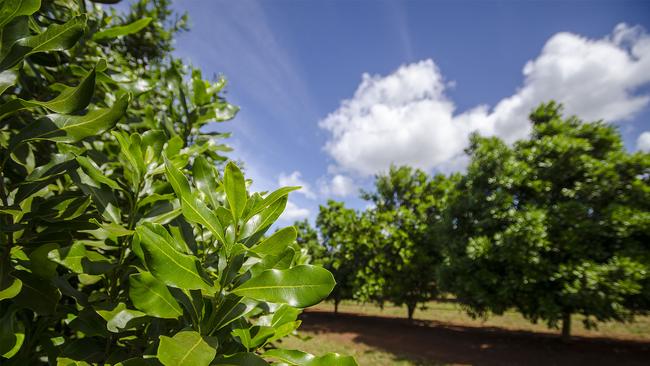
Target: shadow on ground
[{"x": 441, "y": 343}]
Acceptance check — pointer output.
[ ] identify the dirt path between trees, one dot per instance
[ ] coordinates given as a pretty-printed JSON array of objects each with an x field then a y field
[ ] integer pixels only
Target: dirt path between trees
[{"x": 459, "y": 345}]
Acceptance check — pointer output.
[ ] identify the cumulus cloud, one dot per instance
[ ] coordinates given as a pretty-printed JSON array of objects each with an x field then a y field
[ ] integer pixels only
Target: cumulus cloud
[
  {"x": 643, "y": 142},
  {"x": 295, "y": 179},
  {"x": 293, "y": 212},
  {"x": 340, "y": 185},
  {"x": 406, "y": 118}
]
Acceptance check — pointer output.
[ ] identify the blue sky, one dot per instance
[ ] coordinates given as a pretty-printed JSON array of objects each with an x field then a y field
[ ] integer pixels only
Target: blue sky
[{"x": 435, "y": 71}]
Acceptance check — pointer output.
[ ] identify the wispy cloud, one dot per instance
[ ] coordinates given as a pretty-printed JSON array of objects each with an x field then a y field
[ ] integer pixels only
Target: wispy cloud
[{"x": 238, "y": 36}]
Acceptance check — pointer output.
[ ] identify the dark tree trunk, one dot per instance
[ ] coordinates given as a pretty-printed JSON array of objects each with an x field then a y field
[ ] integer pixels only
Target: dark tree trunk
[
  {"x": 336, "y": 305},
  {"x": 411, "y": 309},
  {"x": 566, "y": 327}
]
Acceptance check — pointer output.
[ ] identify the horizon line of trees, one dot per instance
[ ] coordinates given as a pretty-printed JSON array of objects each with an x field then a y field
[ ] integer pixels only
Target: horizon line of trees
[{"x": 552, "y": 226}]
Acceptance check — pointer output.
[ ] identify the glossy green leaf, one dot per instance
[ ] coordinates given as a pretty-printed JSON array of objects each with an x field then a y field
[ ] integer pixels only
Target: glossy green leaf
[
  {"x": 71, "y": 99},
  {"x": 36, "y": 294},
  {"x": 95, "y": 173},
  {"x": 152, "y": 296},
  {"x": 276, "y": 243},
  {"x": 120, "y": 318},
  {"x": 55, "y": 38},
  {"x": 70, "y": 257},
  {"x": 231, "y": 309},
  {"x": 131, "y": 157},
  {"x": 122, "y": 30},
  {"x": 194, "y": 210},
  {"x": 9, "y": 9},
  {"x": 12, "y": 335},
  {"x": 72, "y": 128},
  {"x": 300, "y": 286},
  {"x": 7, "y": 79},
  {"x": 253, "y": 337},
  {"x": 41, "y": 265},
  {"x": 299, "y": 358},
  {"x": 65, "y": 361},
  {"x": 270, "y": 199},
  {"x": 241, "y": 359},
  {"x": 282, "y": 315},
  {"x": 257, "y": 225},
  {"x": 185, "y": 348},
  {"x": 205, "y": 179},
  {"x": 12, "y": 290},
  {"x": 235, "y": 188},
  {"x": 166, "y": 263}
]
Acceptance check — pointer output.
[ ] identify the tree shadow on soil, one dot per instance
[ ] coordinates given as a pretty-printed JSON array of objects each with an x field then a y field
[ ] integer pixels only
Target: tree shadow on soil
[{"x": 440, "y": 343}]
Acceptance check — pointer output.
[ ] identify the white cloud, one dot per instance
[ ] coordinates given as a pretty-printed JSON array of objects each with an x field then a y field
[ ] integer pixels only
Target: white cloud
[
  {"x": 406, "y": 118},
  {"x": 295, "y": 179},
  {"x": 292, "y": 212},
  {"x": 643, "y": 142},
  {"x": 340, "y": 185}
]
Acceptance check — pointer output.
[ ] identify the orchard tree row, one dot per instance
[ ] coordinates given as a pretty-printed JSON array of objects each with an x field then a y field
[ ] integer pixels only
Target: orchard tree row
[{"x": 551, "y": 226}]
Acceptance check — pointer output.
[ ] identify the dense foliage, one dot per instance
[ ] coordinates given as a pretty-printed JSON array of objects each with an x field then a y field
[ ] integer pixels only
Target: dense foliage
[
  {"x": 124, "y": 236},
  {"x": 555, "y": 225}
]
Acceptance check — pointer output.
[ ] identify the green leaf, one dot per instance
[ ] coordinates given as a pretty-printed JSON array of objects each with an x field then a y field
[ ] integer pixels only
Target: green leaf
[
  {"x": 206, "y": 180},
  {"x": 41, "y": 265},
  {"x": 235, "y": 187},
  {"x": 276, "y": 243},
  {"x": 12, "y": 290},
  {"x": 7, "y": 78},
  {"x": 72, "y": 98},
  {"x": 95, "y": 173},
  {"x": 257, "y": 225},
  {"x": 122, "y": 30},
  {"x": 12, "y": 335},
  {"x": 186, "y": 348},
  {"x": 270, "y": 199},
  {"x": 72, "y": 128},
  {"x": 300, "y": 286},
  {"x": 54, "y": 38},
  {"x": 36, "y": 294},
  {"x": 167, "y": 264},
  {"x": 14, "y": 8},
  {"x": 69, "y": 257},
  {"x": 194, "y": 210},
  {"x": 231, "y": 309},
  {"x": 299, "y": 358},
  {"x": 241, "y": 359},
  {"x": 283, "y": 314},
  {"x": 120, "y": 318},
  {"x": 253, "y": 337},
  {"x": 152, "y": 296}
]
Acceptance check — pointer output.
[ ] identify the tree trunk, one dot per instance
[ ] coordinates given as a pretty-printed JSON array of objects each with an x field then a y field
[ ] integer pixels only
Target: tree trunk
[
  {"x": 336, "y": 305},
  {"x": 566, "y": 327},
  {"x": 411, "y": 309}
]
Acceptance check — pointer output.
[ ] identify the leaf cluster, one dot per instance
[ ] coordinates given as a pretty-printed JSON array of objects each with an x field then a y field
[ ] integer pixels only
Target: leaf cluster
[{"x": 125, "y": 237}]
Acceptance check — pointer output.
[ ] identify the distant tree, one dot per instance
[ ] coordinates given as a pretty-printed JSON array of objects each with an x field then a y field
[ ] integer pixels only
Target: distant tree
[
  {"x": 337, "y": 225},
  {"x": 408, "y": 204},
  {"x": 555, "y": 225},
  {"x": 307, "y": 238}
]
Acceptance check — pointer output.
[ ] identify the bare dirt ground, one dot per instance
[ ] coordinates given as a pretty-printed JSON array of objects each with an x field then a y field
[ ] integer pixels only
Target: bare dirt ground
[{"x": 439, "y": 343}]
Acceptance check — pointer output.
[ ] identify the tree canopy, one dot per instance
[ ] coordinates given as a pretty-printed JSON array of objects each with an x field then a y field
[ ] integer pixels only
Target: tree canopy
[{"x": 554, "y": 225}]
